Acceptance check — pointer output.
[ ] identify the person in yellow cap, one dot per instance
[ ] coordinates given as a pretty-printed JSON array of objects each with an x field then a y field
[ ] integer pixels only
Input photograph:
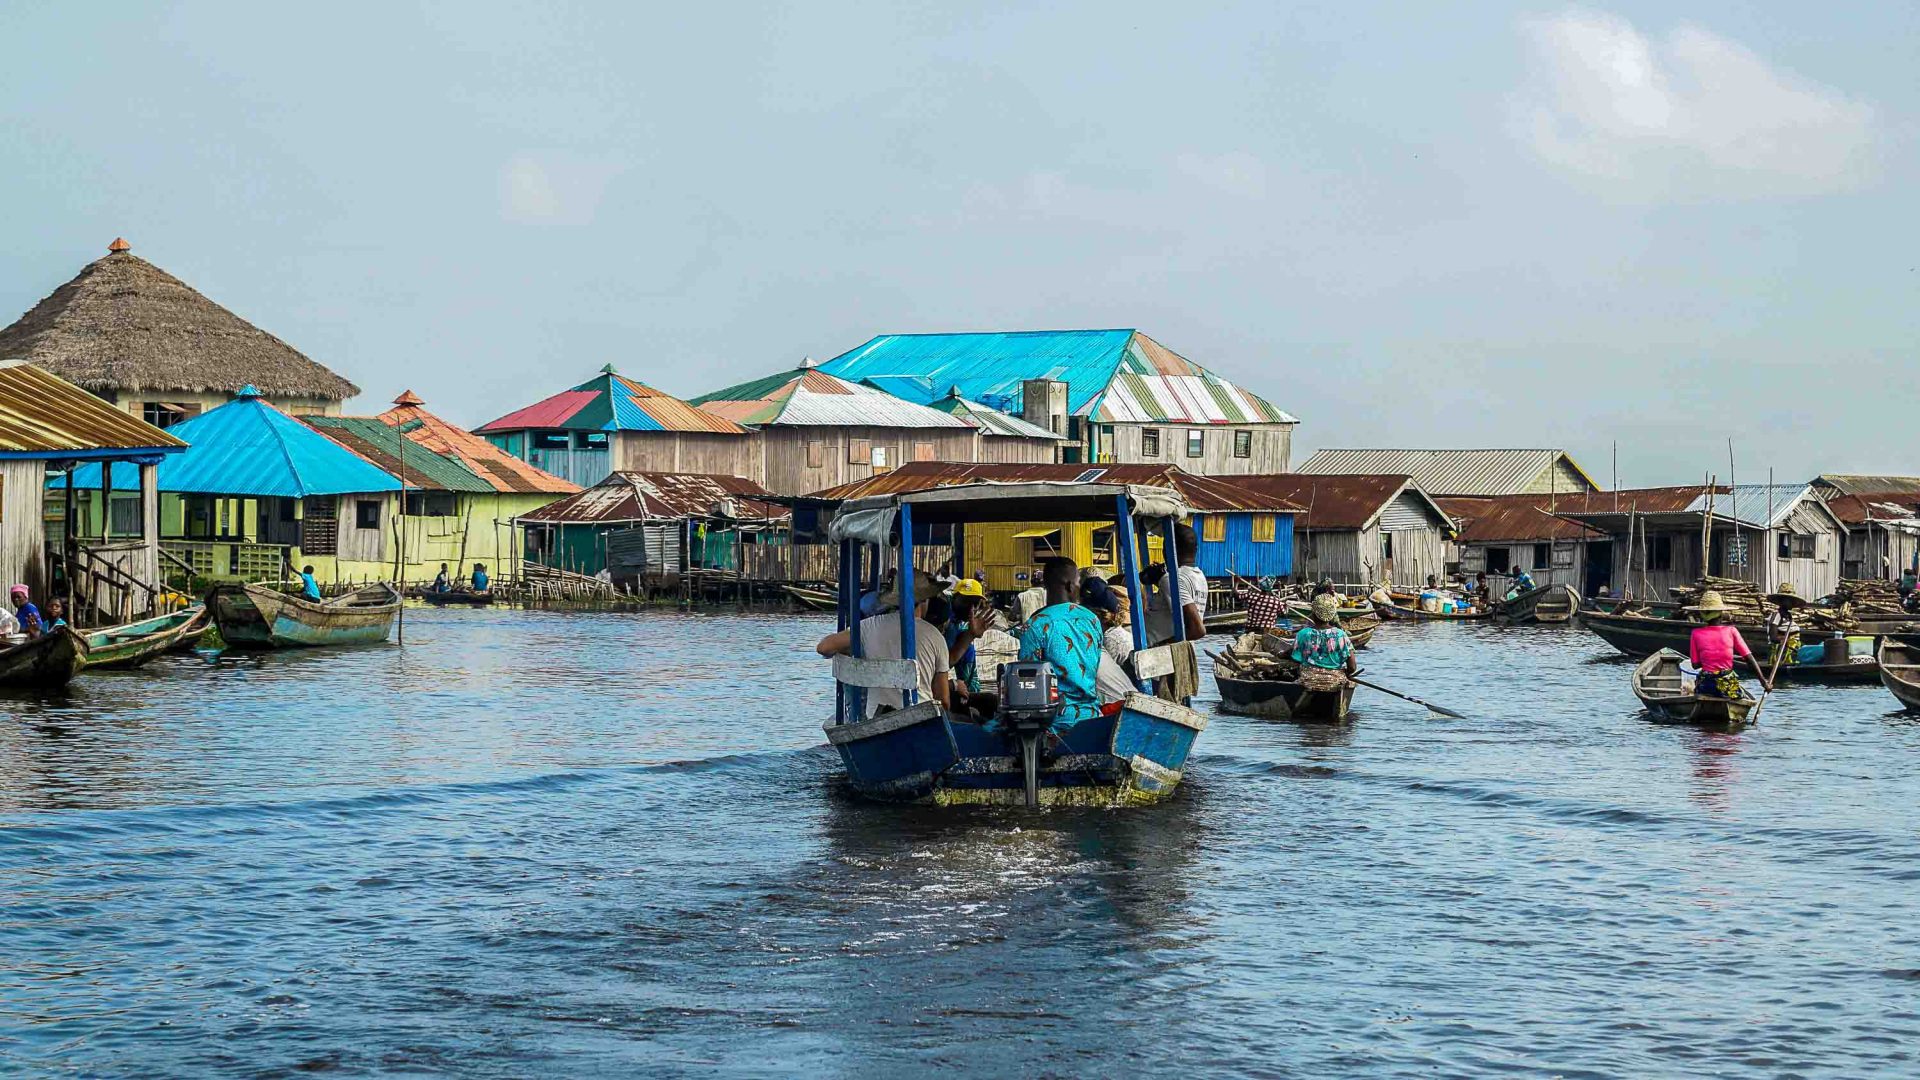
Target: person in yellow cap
[{"x": 968, "y": 617}]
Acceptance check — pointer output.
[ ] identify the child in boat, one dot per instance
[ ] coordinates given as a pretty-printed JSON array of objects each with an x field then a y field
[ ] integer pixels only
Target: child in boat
[
  {"x": 441, "y": 581},
  {"x": 1323, "y": 650},
  {"x": 1714, "y": 646},
  {"x": 56, "y": 614},
  {"x": 309, "y": 587},
  {"x": 480, "y": 581}
]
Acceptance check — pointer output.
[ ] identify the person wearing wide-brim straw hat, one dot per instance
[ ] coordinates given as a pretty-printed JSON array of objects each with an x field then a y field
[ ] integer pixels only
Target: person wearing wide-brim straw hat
[
  {"x": 1781, "y": 629},
  {"x": 1715, "y": 647}
]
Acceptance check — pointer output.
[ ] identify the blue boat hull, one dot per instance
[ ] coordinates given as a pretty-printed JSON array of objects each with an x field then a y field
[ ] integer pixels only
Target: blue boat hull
[{"x": 918, "y": 755}]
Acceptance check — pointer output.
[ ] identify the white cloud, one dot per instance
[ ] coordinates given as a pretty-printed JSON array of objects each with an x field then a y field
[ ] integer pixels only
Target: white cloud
[
  {"x": 552, "y": 188},
  {"x": 1693, "y": 115}
]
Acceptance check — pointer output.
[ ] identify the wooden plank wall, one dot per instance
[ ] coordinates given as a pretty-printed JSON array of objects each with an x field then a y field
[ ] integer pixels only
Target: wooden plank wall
[
  {"x": 23, "y": 527},
  {"x": 1272, "y": 447}
]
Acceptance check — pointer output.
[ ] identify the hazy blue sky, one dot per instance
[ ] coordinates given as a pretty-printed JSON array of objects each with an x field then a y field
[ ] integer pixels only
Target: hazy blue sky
[{"x": 1412, "y": 224}]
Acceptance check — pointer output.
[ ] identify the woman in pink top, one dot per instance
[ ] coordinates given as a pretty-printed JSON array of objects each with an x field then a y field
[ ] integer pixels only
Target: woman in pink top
[{"x": 1714, "y": 647}]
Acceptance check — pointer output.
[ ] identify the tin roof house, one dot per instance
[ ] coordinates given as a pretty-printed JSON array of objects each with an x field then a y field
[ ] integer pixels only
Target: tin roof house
[
  {"x": 1360, "y": 530},
  {"x": 648, "y": 530},
  {"x": 1117, "y": 395},
  {"x": 816, "y": 430},
  {"x": 1882, "y": 518},
  {"x": 612, "y": 423},
  {"x": 1769, "y": 535},
  {"x": 154, "y": 346},
  {"x": 106, "y": 565},
  {"x": 1463, "y": 472}
]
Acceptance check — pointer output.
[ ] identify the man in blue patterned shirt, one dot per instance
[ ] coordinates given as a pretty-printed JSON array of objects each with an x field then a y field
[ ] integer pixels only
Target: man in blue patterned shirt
[{"x": 1067, "y": 636}]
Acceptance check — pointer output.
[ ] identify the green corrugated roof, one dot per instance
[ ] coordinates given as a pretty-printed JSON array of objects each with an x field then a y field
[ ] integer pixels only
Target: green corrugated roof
[{"x": 380, "y": 443}]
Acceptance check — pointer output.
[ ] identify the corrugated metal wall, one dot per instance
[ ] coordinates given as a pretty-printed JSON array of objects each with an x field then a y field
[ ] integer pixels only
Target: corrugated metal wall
[
  {"x": 1406, "y": 511},
  {"x": 23, "y": 531},
  {"x": 1240, "y": 554}
]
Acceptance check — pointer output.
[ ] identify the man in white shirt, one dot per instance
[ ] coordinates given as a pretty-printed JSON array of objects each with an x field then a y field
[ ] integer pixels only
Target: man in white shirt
[
  {"x": 1193, "y": 592},
  {"x": 880, "y": 640}
]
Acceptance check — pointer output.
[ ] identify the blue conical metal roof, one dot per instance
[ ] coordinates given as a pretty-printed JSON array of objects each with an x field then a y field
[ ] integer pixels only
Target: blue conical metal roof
[{"x": 248, "y": 447}]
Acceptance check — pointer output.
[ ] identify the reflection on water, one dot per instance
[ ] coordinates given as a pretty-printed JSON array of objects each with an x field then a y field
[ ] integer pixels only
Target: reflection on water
[{"x": 532, "y": 843}]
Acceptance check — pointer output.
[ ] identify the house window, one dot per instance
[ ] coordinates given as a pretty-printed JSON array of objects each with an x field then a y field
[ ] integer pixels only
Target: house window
[
  {"x": 816, "y": 455},
  {"x": 1386, "y": 546},
  {"x": 1563, "y": 556},
  {"x": 123, "y": 514},
  {"x": 1196, "y": 443},
  {"x": 1213, "y": 528},
  {"x": 1073, "y": 428},
  {"x": 163, "y": 414},
  {"x": 319, "y": 528},
  {"x": 1796, "y": 545},
  {"x": 550, "y": 440},
  {"x": 1243, "y": 443},
  {"x": 923, "y": 451},
  {"x": 860, "y": 452},
  {"x": 880, "y": 458},
  {"x": 430, "y": 504},
  {"x": 1542, "y": 555},
  {"x": 589, "y": 440},
  {"x": 1149, "y": 442},
  {"x": 366, "y": 513},
  {"x": 1661, "y": 557},
  {"x": 1499, "y": 560},
  {"x": 1263, "y": 528}
]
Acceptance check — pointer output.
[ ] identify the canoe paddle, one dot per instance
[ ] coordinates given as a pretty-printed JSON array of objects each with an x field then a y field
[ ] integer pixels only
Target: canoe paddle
[
  {"x": 1779, "y": 653},
  {"x": 1409, "y": 697}
]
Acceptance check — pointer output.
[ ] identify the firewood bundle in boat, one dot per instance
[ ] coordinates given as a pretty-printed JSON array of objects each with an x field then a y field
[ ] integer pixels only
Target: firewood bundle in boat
[
  {"x": 1261, "y": 656},
  {"x": 1869, "y": 597}
]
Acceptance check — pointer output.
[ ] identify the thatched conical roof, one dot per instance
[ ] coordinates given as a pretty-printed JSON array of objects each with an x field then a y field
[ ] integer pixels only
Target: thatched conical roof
[{"x": 125, "y": 324}]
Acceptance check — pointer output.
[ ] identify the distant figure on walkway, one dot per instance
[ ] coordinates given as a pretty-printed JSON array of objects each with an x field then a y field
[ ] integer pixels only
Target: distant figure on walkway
[{"x": 309, "y": 588}]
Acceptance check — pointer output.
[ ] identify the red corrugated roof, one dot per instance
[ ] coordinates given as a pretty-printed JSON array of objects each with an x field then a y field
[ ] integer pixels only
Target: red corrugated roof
[
  {"x": 487, "y": 461},
  {"x": 644, "y": 496},
  {"x": 1520, "y": 518},
  {"x": 547, "y": 413},
  {"x": 1206, "y": 494},
  {"x": 1873, "y": 506},
  {"x": 1331, "y": 501}
]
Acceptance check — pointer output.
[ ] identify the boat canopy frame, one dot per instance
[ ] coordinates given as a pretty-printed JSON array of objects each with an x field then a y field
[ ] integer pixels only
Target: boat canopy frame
[{"x": 863, "y": 527}]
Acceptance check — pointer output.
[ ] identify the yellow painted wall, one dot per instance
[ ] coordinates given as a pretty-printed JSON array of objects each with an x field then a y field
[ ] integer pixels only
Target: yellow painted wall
[{"x": 1009, "y": 559}]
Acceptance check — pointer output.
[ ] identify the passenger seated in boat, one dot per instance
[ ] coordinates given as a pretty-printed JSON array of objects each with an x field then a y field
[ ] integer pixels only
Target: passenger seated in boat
[
  {"x": 1782, "y": 630},
  {"x": 880, "y": 640},
  {"x": 56, "y": 613},
  {"x": 1522, "y": 582},
  {"x": 309, "y": 588},
  {"x": 1111, "y": 683},
  {"x": 442, "y": 582},
  {"x": 871, "y": 603},
  {"x": 1193, "y": 591},
  {"x": 480, "y": 581},
  {"x": 1323, "y": 650},
  {"x": 1713, "y": 648},
  {"x": 32, "y": 623},
  {"x": 964, "y": 617},
  {"x": 1066, "y": 635}
]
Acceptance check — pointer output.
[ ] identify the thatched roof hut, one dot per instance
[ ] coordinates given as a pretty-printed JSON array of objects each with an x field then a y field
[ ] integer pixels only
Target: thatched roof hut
[{"x": 123, "y": 324}]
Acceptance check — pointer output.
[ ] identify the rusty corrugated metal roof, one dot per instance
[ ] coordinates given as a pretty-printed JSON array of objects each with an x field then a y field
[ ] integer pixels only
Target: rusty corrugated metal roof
[
  {"x": 1339, "y": 501},
  {"x": 1522, "y": 518},
  {"x": 501, "y": 470},
  {"x": 645, "y": 496},
  {"x": 1206, "y": 494},
  {"x": 383, "y": 447},
  {"x": 1871, "y": 486},
  {"x": 1874, "y": 506},
  {"x": 42, "y": 413},
  {"x": 1448, "y": 472}
]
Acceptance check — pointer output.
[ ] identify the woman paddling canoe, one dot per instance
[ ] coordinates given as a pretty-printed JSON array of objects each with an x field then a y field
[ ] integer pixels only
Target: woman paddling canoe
[{"x": 1715, "y": 646}]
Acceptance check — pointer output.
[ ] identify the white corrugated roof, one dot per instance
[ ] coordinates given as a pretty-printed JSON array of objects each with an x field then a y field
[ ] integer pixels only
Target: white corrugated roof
[
  {"x": 1447, "y": 472},
  {"x": 853, "y": 405},
  {"x": 1181, "y": 399}
]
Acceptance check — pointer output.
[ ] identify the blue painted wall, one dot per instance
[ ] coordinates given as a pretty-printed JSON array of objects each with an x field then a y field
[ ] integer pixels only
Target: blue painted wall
[{"x": 1240, "y": 555}]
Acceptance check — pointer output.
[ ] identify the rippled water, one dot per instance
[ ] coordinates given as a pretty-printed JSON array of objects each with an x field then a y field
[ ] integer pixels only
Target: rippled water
[{"x": 534, "y": 843}]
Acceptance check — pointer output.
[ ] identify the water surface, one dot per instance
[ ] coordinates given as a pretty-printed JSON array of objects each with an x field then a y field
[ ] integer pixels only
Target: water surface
[{"x": 536, "y": 843}]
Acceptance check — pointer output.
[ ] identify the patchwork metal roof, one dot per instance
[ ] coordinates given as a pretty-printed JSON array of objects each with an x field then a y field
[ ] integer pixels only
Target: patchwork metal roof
[
  {"x": 502, "y": 470},
  {"x": 647, "y": 496},
  {"x": 248, "y": 447},
  {"x": 992, "y": 421},
  {"x": 1204, "y": 494},
  {"x": 810, "y": 396},
  {"x": 1340, "y": 501},
  {"x": 611, "y": 402},
  {"x": 42, "y": 414},
  {"x": 381, "y": 445},
  {"x": 1112, "y": 376},
  {"x": 1449, "y": 472},
  {"x": 1879, "y": 507}
]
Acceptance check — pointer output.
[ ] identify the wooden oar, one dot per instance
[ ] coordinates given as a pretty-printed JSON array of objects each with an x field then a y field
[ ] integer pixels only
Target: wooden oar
[
  {"x": 1409, "y": 697},
  {"x": 1779, "y": 654}
]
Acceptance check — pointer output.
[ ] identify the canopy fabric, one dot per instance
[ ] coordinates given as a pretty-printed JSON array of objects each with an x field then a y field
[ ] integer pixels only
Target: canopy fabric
[
  {"x": 249, "y": 448},
  {"x": 871, "y": 520}
]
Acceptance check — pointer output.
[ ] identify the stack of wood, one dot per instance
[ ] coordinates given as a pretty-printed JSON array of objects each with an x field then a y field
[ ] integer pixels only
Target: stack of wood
[
  {"x": 1743, "y": 598},
  {"x": 1869, "y": 597},
  {"x": 1259, "y": 656}
]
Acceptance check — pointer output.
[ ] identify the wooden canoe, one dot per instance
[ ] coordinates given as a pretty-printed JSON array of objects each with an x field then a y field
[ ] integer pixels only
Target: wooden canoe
[
  {"x": 50, "y": 660},
  {"x": 1271, "y": 699},
  {"x": 1658, "y": 684},
  {"x": 1900, "y": 671},
  {"x": 1546, "y": 604},
  {"x": 257, "y": 617},
  {"x": 135, "y": 643},
  {"x": 1401, "y": 611},
  {"x": 457, "y": 598},
  {"x": 1220, "y": 622},
  {"x": 817, "y": 599}
]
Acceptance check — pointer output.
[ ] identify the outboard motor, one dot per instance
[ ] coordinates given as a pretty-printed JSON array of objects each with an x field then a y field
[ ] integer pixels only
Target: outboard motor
[{"x": 1029, "y": 703}]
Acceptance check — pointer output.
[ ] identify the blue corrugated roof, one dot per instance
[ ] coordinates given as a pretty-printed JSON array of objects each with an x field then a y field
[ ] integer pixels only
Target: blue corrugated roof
[
  {"x": 987, "y": 367},
  {"x": 248, "y": 447}
]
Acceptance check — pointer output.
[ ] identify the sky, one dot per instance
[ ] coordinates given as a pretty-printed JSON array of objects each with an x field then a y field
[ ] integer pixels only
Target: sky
[{"x": 1650, "y": 226}]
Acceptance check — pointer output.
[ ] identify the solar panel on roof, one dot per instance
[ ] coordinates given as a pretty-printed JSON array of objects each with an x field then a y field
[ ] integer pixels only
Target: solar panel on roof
[{"x": 1089, "y": 476}]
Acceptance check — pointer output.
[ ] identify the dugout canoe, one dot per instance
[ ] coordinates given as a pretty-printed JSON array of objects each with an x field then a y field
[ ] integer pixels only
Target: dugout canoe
[
  {"x": 257, "y": 617},
  {"x": 48, "y": 661},
  {"x": 1546, "y": 604},
  {"x": 1272, "y": 699},
  {"x": 1658, "y": 684},
  {"x": 817, "y": 599},
  {"x": 133, "y": 644},
  {"x": 457, "y": 598},
  {"x": 1899, "y": 671}
]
